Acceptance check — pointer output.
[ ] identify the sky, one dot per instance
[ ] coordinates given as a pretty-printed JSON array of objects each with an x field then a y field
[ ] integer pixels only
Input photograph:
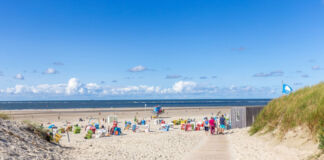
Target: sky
[{"x": 170, "y": 49}]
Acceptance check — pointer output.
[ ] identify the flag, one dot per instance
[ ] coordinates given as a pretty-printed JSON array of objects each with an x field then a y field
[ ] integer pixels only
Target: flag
[{"x": 286, "y": 89}]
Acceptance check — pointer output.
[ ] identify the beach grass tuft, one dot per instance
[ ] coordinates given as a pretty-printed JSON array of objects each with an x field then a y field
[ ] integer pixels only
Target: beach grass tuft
[
  {"x": 304, "y": 107},
  {"x": 38, "y": 130},
  {"x": 4, "y": 116}
]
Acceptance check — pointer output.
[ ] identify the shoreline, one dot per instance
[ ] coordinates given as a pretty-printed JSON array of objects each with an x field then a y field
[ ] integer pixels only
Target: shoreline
[{"x": 120, "y": 109}]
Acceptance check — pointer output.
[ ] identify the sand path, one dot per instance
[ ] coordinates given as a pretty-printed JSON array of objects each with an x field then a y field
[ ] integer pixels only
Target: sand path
[{"x": 211, "y": 148}]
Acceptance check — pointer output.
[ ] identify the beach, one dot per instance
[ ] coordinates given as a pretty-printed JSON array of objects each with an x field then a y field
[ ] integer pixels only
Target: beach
[{"x": 174, "y": 144}]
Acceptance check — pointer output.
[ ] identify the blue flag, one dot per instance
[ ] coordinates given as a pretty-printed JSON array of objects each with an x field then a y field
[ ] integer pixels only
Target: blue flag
[{"x": 286, "y": 89}]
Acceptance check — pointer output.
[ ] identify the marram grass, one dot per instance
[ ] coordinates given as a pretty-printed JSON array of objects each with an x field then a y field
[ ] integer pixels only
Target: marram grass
[
  {"x": 4, "y": 116},
  {"x": 304, "y": 107}
]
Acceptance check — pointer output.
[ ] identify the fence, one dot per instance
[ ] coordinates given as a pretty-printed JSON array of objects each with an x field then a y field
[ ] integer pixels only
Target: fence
[{"x": 242, "y": 117}]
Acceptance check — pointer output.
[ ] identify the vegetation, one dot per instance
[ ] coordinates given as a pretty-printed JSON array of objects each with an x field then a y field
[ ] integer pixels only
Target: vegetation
[
  {"x": 4, "y": 116},
  {"x": 38, "y": 130},
  {"x": 305, "y": 107},
  {"x": 321, "y": 137}
]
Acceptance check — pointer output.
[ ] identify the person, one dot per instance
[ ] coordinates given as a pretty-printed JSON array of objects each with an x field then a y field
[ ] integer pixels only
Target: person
[
  {"x": 212, "y": 125},
  {"x": 216, "y": 124},
  {"x": 206, "y": 125},
  {"x": 222, "y": 122}
]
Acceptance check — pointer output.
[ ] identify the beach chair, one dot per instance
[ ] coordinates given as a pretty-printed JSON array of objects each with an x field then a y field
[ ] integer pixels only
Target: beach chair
[
  {"x": 183, "y": 126},
  {"x": 57, "y": 138},
  {"x": 88, "y": 135},
  {"x": 147, "y": 128},
  {"x": 77, "y": 130},
  {"x": 165, "y": 127}
]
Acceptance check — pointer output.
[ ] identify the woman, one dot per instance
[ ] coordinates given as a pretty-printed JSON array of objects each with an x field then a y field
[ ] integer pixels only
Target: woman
[{"x": 212, "y": 125}]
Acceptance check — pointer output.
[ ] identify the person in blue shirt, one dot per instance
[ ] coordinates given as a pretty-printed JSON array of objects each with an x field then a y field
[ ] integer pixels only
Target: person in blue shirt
[
  {"x": 222, "y": 125},
  {"x": 206, "y": 125}
]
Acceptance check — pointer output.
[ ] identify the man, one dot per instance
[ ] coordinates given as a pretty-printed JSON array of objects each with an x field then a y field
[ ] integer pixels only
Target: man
[
  {"x": 212, "y": 125},
  {"x": 222, "y": 125}
]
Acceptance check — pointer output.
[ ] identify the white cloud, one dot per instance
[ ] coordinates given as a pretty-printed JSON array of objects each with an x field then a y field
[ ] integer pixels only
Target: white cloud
[
  {"x": 19, "y": 76},
  {"x": 51, "y": 71},
  {"x": 181, "y": 88},
  {"x": 138, "y": 68},
  {"x": 73, "y": 86}
]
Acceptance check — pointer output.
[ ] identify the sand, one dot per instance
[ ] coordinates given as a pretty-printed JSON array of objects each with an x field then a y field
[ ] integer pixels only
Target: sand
[
  {"x": 173, "y": 145},
  {"x": 296, "y": 145}
]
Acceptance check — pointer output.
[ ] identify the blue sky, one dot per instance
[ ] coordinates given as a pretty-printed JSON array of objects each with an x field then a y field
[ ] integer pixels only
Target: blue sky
[{"x": 158, "y": 49}]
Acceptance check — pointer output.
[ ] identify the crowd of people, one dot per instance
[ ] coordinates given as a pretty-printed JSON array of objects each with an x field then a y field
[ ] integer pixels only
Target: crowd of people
[{"x": 215, "y": 125}]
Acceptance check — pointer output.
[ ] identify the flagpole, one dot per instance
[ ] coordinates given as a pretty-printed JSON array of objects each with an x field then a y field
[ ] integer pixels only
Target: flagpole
[{"x": 282, "y": 87}]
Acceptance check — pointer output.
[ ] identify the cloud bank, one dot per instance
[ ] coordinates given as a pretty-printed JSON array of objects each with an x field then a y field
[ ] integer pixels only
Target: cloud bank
[{"x": 75, "y": 88}]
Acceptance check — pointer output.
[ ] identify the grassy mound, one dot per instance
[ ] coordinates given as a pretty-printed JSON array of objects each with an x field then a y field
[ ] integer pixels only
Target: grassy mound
[{"x": 305, "y": 107}]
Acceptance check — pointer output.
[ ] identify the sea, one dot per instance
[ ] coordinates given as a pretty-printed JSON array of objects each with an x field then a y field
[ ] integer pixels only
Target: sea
[{"x": 74, "y": 104}]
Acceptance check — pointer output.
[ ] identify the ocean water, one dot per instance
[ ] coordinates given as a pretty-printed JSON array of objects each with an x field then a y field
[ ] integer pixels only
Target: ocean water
[{"x": 14, "y": 105}]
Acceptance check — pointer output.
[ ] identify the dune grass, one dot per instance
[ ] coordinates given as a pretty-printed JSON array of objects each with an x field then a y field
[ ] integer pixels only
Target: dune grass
[
  {"x": 305, "y": 107},
  {"x": 4, "y": 116},
  {"x": 38, "y": 130}
]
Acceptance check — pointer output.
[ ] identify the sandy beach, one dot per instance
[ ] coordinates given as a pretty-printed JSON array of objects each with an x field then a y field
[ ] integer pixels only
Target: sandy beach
[{"x": 175, "y": 144}]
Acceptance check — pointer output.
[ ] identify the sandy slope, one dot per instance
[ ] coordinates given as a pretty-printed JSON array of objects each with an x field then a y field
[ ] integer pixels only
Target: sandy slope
[
  {"x": 17, "y": 142},
  {"x": 294, "y": 146}
]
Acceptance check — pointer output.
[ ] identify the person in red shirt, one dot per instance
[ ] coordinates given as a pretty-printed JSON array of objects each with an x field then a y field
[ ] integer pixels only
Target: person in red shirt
[{"x": 212, "y": 125}]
